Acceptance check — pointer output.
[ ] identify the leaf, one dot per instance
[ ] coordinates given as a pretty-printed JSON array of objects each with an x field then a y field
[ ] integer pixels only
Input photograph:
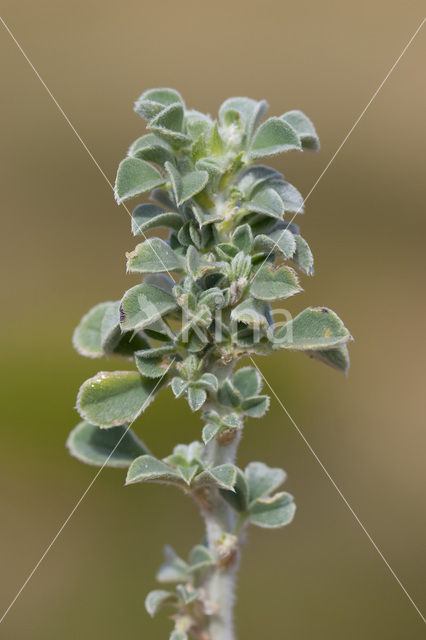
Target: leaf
[
  {"x": 178, "y": 635},
  {"x": 228, "y": 395},
  {"x": 292, "y": 199},
  {"x": 263, "y": 480},
  {"x": 209, "y": 432},
  {"x": 157, "y": 599},
  {"x": 135, "y": 177},
  {"x": 152, "y": 149},
  {"x": 179, "y": 386},
  {"x": 187, "y": 186},
  {"x": 274, "y": 512},
  {"x": 112, "y": 398},
  {"x": 200, "y": 557},
  {"x": 87, "y": 335},
  {"x": 207, "y": 381},
  {"x": 197, "y": 265},
  {"x": 151, "y": 102},
  {"x": 271, "y": 283},
  {"x": 154, "y": 363},
  {"x": 149, "y": 469},
  {"x": 281, "y": 241},
  {"x": 174, "y": 569},
  {"x": 274, "y": 136},
  {"x": 253, "y": 177},
  {"x": 223, "y": 476},
  {"x": 238, "y": 498},
  {"x": 115, "y": 447},
  {"x": 149, "y": 216},
  {"x": 304, "y": 129},
  {"x": 143, "y": 305},
  {"x": 188, "y": 473},
  {"x": 242, "y": 238},
  {"x": 196, "y": 398},
  {"x": 250, "y": 111},
  {"x": 153, "y": 256},
  {"x": 247, "y": 381},
  {"x": 268, "y": 202},
  {"x": 168, "y": 124},
  {"x": 303, "y": 257},
  {"x": 314, "y": 328},
  {"x": 251, "y": 312},
  {"x": 337, "y": 358},
  {"x": 256, "y": 407}
]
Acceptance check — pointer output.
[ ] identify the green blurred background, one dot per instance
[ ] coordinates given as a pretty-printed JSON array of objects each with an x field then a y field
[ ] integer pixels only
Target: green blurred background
[{"x": 63, "y": 244}]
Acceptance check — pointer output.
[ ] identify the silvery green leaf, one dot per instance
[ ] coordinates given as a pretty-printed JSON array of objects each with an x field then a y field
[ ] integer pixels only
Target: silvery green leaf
[
  {"x": 135, "y": 177},
  {"x": 338, "y": 358},
  {"x": 162, "y": 197},
  {"x": 188, "y": 473},
  {"x": 253, "y": 177},
  {"x": 179, "y": 386},
  {"x": 238, "y": 498},
  {"x": 274, "y": 512},
  {"x": 232, "y": 420},
  {"x": 149, "y": 216},
  {"x": 112, "y": 398},
  {"x": 272, "y": 283},
  {"x": 151, "y": 102},
  {"x": 302, "y": 257},
  {"x": 263, "y": 480},
  {"x": 200, "y": 557},
  {"x": 274, "y": 136},
  {"x": 281, "y": 241},
  {"x": 314, "y": 328},
  {"x": 157, "y": 599},
  {"x": 207, "y": 381},
  {"x": 242, "y": 238},
  {"x": 186, "y": 186},
  {"x": 168, "y": 125},
  {"x": 197, "y": 264},
  {"x": 143, "y": 305},
  {"x": 291, "y": 197},
  {"x": 213, "y": 168},
  {"x": 196, "y": 398},
  {"x": 228, "y": 395},
  {"x": 149, "y": 469},
  {"x": 209, "y": 432},
  {"x": 223, "y": 476},
  {"x": 226, "y": 251},
  {"x": 187, "y": 595},
  {"x": 155, "y": 362},
  {"x": 266, "y": 201},
  {"x": 160, "y": 280},
  {"x": 174, "y": 569},
  {"x": 114, "y": 447},
  {"x": 251, "y": 312},
  {"x": 214, "y": 298},
  {"x": 251, "y": 112},
  {"x": 198, "y": 124},
  {"x": 113, "y": 339},
  {"x": 152, "y": 149},
  {"x": 256, "y": 407},
  {"x": 247, "y": 381},
  {"x": 204, "y": 218},
  {"x": 153, "y": 256},
  {"x": 178, "y": 635},
  {"x": 87, "y": 335},
  {"x": 304, "y": 129}
]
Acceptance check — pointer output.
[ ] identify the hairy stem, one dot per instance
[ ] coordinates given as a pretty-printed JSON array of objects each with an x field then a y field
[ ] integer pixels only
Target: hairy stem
[{"x": 220, "y": 524}]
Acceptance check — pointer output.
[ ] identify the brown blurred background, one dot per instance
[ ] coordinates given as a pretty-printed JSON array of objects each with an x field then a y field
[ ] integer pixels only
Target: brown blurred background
[{"x": 63, "y": 244}]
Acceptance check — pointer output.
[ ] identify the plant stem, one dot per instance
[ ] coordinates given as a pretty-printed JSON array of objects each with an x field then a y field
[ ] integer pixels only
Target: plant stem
[{"x": 220, "y": 523}]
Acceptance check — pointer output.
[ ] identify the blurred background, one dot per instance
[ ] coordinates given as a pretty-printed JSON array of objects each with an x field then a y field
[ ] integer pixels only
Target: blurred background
[{"x": 63, "y": 243}]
